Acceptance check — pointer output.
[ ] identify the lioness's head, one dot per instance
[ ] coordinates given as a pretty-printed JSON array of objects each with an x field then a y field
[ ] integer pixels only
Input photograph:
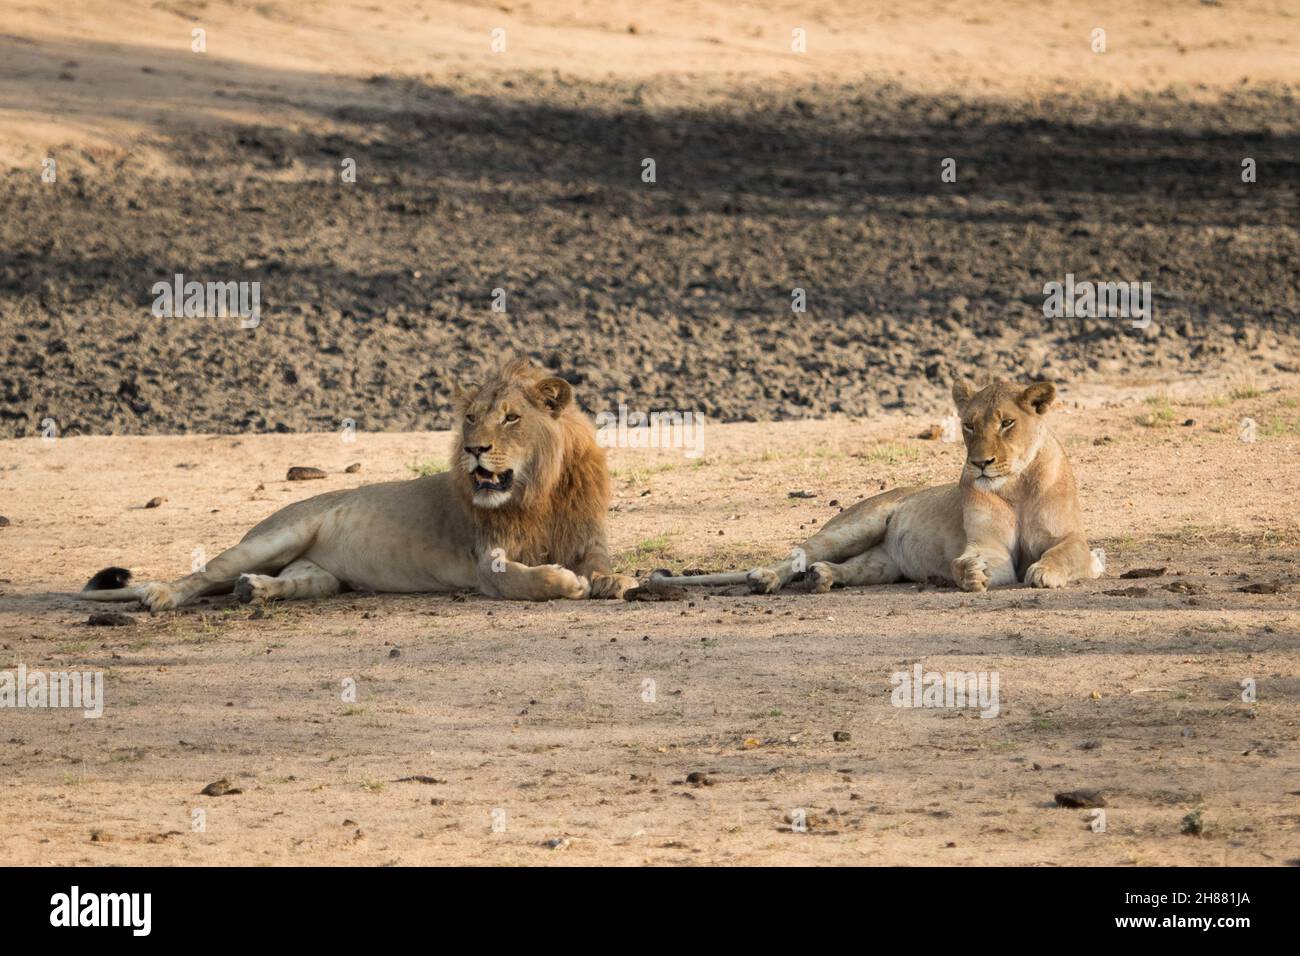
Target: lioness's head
[
  {"x": 1003, "y": 427},
  {"x": 509, "y": 433}
]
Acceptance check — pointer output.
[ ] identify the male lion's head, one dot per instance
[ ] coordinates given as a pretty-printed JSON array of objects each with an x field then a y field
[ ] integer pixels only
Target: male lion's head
[
  {"x": 510, "y": 433},
  {"x": 1003, "y": 427}
]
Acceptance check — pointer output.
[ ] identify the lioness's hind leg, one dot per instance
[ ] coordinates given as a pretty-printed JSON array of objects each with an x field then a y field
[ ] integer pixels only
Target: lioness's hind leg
[
  {"x": 871, "y": 567},
  {"x": 855, "y": 530},
  {"x": 301, "y": 579}
]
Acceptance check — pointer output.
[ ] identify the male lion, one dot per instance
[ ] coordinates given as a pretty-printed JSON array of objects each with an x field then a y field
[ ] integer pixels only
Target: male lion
[
  {"x": 1013, "y": 516},
  {"x": 521, "y": 516}
]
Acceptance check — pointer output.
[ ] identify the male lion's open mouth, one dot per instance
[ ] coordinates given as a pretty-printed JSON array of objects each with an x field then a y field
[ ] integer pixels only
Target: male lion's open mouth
[{"x": 485, "y": 480}]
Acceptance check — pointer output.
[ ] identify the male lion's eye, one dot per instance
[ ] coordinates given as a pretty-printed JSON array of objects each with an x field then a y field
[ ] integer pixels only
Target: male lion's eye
[
  {"x": 966, "y": 428},
  {"x": 1007, "y": 423},
  {"x": 512, "y": 417}
]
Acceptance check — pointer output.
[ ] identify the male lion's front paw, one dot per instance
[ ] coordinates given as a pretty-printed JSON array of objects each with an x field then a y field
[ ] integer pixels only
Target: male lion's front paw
[
  {"x": 763, "y": 581},
  {"x": 611, "y": 585},
  {"x": 971, "y": 572},
  {"x": 819, "y": 578},
  {"x": 157, "y": 597},
  {"x": 1040, "y": 574}
]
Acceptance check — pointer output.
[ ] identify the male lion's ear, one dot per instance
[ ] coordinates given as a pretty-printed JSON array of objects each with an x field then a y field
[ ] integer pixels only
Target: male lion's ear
[
  {"x": 1038, "y": 396},
  {"x": 962, "y": 391},
  {"x": 463, "y": 393},
  {"x": 554, "y": 393}
]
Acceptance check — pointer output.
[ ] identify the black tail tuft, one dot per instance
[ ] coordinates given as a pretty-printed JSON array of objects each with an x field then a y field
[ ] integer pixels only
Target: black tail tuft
[{"x": 108, "y": 580}]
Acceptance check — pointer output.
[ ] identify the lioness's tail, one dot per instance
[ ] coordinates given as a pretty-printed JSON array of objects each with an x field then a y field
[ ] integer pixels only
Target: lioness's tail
[{"x": 110, "y": 584}]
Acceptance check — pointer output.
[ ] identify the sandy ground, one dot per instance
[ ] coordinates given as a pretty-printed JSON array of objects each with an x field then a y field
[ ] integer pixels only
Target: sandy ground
[
  {"x": 468, "y": 708},
  {"x": 73, "y": 68}
]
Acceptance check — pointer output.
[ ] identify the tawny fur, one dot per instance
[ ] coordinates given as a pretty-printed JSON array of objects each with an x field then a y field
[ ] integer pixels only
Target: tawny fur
[
  {"x": 542, "y": 538},
  {"x": 1013, "y": 517}
]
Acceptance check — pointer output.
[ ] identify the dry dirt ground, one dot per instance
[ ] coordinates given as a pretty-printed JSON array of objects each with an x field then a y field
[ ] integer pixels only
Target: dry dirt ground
[
  {"x": 471, "y": 711},
  {"x": 522, "y": 171}
]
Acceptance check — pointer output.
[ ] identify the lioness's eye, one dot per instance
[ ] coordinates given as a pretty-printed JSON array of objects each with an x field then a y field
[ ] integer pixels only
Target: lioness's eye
[
  {"x": 966, "y": 428},
  {"x": 512, "y": 417},
  {"x": 1007, "y": 423},
  {"x": 469, "y": 419}
]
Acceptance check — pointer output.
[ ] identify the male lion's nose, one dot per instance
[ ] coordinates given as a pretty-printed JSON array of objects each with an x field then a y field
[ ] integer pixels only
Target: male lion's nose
[
  {"x": 982, "y": 464},
  {"x": 477, "y": 450}
]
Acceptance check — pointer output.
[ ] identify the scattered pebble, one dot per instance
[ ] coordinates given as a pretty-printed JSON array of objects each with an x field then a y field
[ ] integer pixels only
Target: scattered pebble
[
  {"x": 672, "y": 592},
  {"x": 154, "y": 502},
  {"x": 109, "y": 619},
  {"x": 302, "y": 473},
  {"x": 801, "y": 494},
  {"x": 1261, "y": 587},
  {"x": 841, "y": 736},
  {"x": 1080, "y": 799},
  {"x": 1144, "y": 573},
  {"x": 353, "y": 468},
  {"x": 220, "y": 788}
]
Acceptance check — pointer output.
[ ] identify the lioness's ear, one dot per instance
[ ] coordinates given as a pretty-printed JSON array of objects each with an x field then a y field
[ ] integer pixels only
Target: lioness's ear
[
  {"x": 1038, "y": 396},
  {"x": 554, "y": 393},
  {"x": 962, "y": 390}
]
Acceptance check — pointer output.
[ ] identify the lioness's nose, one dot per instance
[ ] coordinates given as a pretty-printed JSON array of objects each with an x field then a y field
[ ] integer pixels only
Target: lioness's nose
[
  {"x": 477, "y": 450},
  {"x": 982, "y": 464}
]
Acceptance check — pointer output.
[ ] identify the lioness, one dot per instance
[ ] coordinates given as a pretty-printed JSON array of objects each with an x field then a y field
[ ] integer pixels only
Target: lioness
[
  {"x": 521, "y": 515},
  {"x": 1013, "y": 516}
]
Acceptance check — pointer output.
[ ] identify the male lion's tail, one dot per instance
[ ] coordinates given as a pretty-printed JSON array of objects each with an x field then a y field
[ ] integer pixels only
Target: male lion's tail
[
  {"x": 110, "y": 584},
  {"x": 661, "y": 578}
]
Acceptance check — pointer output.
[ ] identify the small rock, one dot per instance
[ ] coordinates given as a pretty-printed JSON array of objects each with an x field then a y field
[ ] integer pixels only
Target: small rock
[
  {"x": 353, "y": 468},
  {"x": 1080, "y": 799},
  {"x": 556, "y": 843},
  {"x": 1261, "y": 587},
  {"x": 1144, "y": 573},
  {"x": 801, "y": 494},
  {"x": 109, "y": 619},
  {"x": 4, "y": 522},
  {"x": 395, "y": 652},
  {"x": 1193, "y": 824},
  {"x": 1127, "y": 592},
  {"x": 933, "y": 433},
  {"x": 220, "y": 788},
  {"x": 841, "y": 736},
  {"x": 672, "y": 592},
  {"x": 301, "y": 473},
  {"x": 699, "y": 778},
  {"x": 154, "y": 502}
]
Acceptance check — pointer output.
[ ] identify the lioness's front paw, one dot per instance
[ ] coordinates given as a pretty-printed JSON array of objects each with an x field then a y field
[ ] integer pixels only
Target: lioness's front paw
[
  {"x": 819, "y": 578},
  {"x": 971, "y": 572},
  {"x": 563, "y": 583},
  {"x": 763, "y": 581},
  {"x": 1043, "y": 575},
  {"x": 611, "y": 585},
  {"x": 157, "y": 597}
]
